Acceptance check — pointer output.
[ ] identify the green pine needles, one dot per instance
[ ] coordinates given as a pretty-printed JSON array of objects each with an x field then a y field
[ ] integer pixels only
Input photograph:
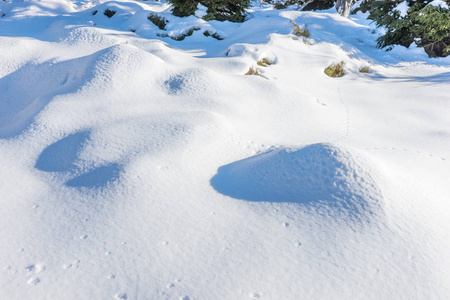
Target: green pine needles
[
  {"x": 184, "y": 8},
  {"x": 221, "y": 10},
  {"x": 426, "y": 25},
  {"x": 433, "y": 30}
]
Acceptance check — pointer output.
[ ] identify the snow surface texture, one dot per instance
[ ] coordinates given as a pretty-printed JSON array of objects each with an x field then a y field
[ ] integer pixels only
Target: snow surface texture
[{"x": 135, "y": 166}]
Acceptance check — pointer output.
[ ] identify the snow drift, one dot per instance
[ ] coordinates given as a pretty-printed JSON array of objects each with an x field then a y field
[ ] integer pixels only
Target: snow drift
[{"x": 319, "y": 174}]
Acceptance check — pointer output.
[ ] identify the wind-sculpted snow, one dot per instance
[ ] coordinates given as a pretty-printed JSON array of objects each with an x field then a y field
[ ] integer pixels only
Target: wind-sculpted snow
[
  {"x": 316, "y": 175},
  {"x": 137, "y": 166},
  {"x": 26, "y": 91}
]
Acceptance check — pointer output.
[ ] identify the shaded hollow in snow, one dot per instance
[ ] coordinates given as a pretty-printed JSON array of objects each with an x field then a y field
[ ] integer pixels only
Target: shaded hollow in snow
[
  {"x": 98, "y": 177},
  {"x": 62, "y": 155},
  {"x": 319, "y": 174}
]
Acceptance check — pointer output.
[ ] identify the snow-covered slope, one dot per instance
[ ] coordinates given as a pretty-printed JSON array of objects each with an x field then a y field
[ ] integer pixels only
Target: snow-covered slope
[{"x": 136, "y": 166}]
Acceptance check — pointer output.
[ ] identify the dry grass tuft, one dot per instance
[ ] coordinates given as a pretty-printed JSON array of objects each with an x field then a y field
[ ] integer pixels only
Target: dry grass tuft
[
  {"x": 336, "y": 70},
  {"x": 264, "y": 62},
  {"x": 253, "y": 71},
  {"x": 298, "y": 31},
  {"x": 364, "y": 69}
]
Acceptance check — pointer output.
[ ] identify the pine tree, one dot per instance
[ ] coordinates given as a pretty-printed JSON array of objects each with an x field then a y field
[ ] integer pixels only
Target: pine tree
[
  {"x": 221, "y": 10},
  {"x": 427, "y": 25},
  {"x": 184, "y": 8},
  {"x": 432, "y": 27}
]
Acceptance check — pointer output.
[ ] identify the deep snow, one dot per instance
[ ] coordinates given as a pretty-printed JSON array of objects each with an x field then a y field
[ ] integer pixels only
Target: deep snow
[{"x": 135, "y": 166}]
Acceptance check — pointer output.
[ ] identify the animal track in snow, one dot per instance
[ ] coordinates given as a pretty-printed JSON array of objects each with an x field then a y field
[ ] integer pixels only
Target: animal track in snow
[
  {"x": 121, "y": 296},
  {"x": 73, "y": 265},
  {"x": 347, "y": 129},
  {"x": 33, "y": 281},
  {"x": 35, "y": 268},
  {"x": 406, "y": 150},
  {"x": 347, "y": 114}
]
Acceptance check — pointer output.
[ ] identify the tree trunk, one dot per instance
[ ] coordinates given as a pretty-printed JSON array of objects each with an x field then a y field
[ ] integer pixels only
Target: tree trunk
[{"x": 343, "y": 7}]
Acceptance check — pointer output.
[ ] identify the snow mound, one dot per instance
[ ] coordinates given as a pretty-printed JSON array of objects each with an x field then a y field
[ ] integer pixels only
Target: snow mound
[
  {"x": 25, "y": 93},
  {"x": 319, "y": 174},
  {"x": 192, "y": 82}
]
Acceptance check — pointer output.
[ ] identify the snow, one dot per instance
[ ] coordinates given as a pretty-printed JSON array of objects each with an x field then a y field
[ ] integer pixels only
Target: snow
[
  {"x": 440, "y": 3},
  {"x": 135, "y": 166},
  {"x": 402, "y": 8}
]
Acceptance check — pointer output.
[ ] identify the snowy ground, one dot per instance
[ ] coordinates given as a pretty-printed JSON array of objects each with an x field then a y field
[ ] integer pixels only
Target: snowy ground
[{"x": 135, "y": 166}]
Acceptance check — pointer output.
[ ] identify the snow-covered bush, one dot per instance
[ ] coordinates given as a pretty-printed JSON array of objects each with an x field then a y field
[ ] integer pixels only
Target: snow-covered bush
[
  {"x": 160, "y": 22},
  {"x": 109, "y": 13},
  {"x": 282, "y": 4},
  {"x": 425, "y": 22},
  {"x": 319, "y": 4},
  {"x": 183, "y": 8},
  {"x": 222, "y": 10},
  {"x": 303, "y": 4},
  {"x": 213, "y": 34},
  {"x": 342, "y": 6}
]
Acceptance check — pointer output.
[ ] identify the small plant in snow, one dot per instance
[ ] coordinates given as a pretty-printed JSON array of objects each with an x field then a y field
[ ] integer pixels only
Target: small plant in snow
[
  {"x": 298, "y": 31},
  {"x": 253, "y": 71},
  {"x": 109, "y": 13},
  {"x": 160, "y": 22},
  {"x": 264, "y": 62},
  {"x": 336, "y": 70},
  {"x": 365, "y": 69}
]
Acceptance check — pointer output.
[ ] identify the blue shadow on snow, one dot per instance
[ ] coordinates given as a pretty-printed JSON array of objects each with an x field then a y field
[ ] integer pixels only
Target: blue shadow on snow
[
  {"x": 96, "y": 178},
  {"x": 61, "y": 156}
]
